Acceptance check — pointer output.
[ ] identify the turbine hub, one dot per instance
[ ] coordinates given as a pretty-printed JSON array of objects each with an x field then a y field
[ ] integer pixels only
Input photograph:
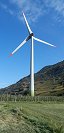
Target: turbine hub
[
  {"x": 32, "y": 34},
  {"x": 29, "y": 37}
]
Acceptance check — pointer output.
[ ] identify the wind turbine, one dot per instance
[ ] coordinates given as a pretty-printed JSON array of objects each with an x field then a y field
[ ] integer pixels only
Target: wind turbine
[{"x": 31, "y": 36}]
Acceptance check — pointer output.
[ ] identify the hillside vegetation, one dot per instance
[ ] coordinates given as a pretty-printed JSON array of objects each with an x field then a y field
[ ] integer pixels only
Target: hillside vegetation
[{"x": 49, "y": 81}]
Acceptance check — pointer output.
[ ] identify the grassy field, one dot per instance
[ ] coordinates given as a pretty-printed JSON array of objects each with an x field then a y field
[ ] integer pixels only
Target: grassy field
[{"x": 31, "y": 117}]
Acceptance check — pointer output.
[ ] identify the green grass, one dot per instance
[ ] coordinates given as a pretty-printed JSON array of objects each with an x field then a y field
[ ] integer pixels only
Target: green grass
[{"x": 31, "y": 117}]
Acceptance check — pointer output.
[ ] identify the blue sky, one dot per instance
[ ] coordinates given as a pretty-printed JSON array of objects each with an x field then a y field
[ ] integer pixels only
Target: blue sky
[{"x": 46, "y": 19}]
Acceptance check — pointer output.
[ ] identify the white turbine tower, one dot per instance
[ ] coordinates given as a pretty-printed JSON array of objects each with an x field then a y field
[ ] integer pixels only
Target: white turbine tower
[{"x": 31, "y": 36}]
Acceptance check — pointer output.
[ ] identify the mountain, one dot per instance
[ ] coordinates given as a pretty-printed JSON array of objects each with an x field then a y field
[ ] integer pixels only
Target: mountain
[{"x": 49, "y": 81}]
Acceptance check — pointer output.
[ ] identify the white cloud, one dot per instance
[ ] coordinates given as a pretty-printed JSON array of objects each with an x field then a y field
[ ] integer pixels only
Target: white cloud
[
  {"x": 35, "y": 9},
  {"x": 5, "y": 7},
  {"x": 57, "y": 5},
  {"x": 58, "y": 8},
  {"x": 10, "y": 12}
]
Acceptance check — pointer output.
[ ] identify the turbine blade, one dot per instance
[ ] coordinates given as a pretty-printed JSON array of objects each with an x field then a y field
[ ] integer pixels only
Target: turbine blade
[
  {"x": 28, "y": 27},
  {"x": 43, "y": 42},
  {"x": 20, "y": 45}
]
